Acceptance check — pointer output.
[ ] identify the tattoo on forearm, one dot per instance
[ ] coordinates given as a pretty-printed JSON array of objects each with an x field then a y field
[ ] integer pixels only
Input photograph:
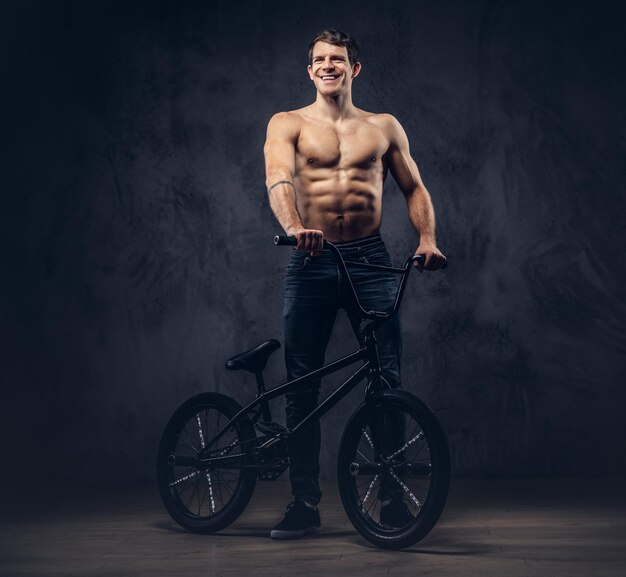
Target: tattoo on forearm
[{"x": 281, "y": 182}]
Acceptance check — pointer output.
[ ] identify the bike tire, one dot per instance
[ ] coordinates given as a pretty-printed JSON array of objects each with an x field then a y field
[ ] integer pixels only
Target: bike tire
[
  {"x": 361, "y": 476},
  {"x": 200, "y": 500}
]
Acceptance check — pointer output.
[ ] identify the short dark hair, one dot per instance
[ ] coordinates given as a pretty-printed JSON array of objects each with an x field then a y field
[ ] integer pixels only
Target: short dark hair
[{"x": 337, "y": 38}]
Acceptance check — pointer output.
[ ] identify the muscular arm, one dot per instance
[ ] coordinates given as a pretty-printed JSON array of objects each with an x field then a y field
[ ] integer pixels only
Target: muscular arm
[
  {"x": 280, "y": 160},
  {"x": 421, "y": 213},
  {"x": 280, "y": 156}
]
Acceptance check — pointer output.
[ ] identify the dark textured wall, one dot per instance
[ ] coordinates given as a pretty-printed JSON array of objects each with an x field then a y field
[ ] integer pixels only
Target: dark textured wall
[{"x": 138, "y": 251}]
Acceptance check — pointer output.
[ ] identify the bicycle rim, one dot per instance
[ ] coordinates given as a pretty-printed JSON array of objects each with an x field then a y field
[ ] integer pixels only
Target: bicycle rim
[
  {"x": 200, "y": 498},
  {"x": 394, "y": 488}
]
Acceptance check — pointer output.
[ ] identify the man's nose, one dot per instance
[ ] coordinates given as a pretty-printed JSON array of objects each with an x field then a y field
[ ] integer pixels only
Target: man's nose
[{"x": 328, "y": 65}]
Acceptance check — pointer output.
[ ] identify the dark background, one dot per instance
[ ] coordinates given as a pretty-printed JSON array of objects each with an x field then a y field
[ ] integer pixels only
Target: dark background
[{"x": 138, "y": 249}]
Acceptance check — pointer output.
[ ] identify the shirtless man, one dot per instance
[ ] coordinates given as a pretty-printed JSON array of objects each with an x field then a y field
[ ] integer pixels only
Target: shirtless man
[{"x": 326, "y": 165}]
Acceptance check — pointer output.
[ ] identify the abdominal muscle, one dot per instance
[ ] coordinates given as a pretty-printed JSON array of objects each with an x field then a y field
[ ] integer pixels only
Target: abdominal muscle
[{"x": 343, "y": 210}]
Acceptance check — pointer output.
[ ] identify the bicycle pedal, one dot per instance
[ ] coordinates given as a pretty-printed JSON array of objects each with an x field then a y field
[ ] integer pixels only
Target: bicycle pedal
[
  {"x": 271, "y": 429},
  {"x": 272, "y": 472}
]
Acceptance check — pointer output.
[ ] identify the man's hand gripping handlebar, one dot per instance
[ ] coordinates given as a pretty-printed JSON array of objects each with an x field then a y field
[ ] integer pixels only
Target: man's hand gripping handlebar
[
  {"x": 282, "y": 240},
  {"x": 309, "y": 240}
]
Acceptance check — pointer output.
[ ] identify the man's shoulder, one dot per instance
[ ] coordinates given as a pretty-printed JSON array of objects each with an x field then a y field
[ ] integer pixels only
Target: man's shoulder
[
  {"x": 284, "y": 125},
  {"x": 383, "y": 119},
  {"x": 287, "y": 117},
  {"x": 390, "y": 126}
]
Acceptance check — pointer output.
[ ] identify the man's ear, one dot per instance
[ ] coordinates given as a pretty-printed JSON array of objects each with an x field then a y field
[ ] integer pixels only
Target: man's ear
[
  {"x": 310, "y": 71},
  {"x": 356, "y": 69}
]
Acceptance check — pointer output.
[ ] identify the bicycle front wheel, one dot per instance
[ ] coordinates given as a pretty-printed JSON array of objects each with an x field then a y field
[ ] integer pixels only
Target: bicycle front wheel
[
  {"x": 393, "y": 469},
  {"x": 199, "y": 498}
]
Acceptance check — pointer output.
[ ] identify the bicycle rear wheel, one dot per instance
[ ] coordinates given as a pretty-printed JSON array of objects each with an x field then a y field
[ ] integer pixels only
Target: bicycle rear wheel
[
  {"x": 201, "y": 499},
  {"x": 407, "y": 474}
]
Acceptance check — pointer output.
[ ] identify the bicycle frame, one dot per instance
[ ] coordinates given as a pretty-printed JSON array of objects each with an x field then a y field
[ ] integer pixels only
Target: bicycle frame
[
  {"x": 368, "y": 352},
  {"x": 317, "y": 413}
]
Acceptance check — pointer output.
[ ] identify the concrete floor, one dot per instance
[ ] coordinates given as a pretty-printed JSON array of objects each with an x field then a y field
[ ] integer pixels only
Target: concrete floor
[{"x": 503, "y": 528}]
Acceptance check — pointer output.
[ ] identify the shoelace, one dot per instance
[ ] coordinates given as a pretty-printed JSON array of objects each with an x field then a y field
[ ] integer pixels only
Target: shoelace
[{"x": 292, "y": 504}]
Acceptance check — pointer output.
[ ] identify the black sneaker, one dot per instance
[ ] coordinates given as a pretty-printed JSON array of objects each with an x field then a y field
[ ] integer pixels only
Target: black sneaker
[
  {"x": 300, "y": 520},
  {"x": 394, "y": 513}
]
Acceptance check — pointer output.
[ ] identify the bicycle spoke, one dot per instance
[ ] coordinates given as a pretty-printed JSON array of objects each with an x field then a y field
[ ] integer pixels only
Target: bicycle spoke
[
  {"x": 406, "y": 490},
  {"x": 219, "y": 490},
  {"x": 227, "y": 490},
  {"x": 200, "y": 431},
  {"x": 201, "y": 502},
  {"x": 186, "y": 431},
  {"x": 371, "y": 507},
  {"x": 417, "y": 437},
  {"x": 208, "y": 478},
  {"x": 369, "y": 490},
  {"x": 368, "y": 438},
  {"x": 224, "y": 485},
  {"x": 217, "y": 424},
  {"x": 362, "y": 455},
  {"x": 185, "y": 478},
  {"x": 188, "y": 447},
  {"x": 193, "y": 493},
  {"x": 224, "y": 451},
  {"x": 183, "y": 489}
]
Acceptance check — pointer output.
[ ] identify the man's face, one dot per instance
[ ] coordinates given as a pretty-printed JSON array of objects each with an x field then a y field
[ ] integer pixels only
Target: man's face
[{"x": 331, "y": 71}]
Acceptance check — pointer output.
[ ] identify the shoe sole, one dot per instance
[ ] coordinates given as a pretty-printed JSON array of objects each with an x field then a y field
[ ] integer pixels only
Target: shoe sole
[{"x": 277, "y": 534}]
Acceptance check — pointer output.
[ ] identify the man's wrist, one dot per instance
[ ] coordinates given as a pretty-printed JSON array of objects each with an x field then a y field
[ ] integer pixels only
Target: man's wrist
[
  {"x": 293, "y": 230},
  {"x": 428, "y": 239}
]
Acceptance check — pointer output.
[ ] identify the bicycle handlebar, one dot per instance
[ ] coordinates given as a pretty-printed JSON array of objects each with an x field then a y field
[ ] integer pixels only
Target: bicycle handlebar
[{"x": 281, "y": 240}]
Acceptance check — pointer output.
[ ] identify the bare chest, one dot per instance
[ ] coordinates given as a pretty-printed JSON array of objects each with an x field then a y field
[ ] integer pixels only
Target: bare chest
[{"x": 357, "y": 144}]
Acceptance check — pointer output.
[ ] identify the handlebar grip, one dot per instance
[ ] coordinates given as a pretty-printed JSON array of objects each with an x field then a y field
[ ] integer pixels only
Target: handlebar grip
[
  {"x": 421, "y": 258},
  {"x": 281, "y": 240}
]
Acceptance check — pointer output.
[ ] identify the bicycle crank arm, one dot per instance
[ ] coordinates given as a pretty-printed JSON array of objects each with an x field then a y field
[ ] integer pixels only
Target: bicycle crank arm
[{"x": 228, "y": 462}]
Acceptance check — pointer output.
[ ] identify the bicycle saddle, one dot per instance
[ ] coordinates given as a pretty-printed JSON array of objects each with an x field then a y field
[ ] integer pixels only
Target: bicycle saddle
[{"x": 255, "y": 359}]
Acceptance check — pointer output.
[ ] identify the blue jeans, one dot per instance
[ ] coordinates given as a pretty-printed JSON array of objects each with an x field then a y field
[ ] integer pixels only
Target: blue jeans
[{"x": 314, "y": 291}]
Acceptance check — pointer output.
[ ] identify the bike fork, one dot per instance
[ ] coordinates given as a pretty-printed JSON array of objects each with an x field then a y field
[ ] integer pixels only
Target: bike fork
[{"x": 376, "y": 382}]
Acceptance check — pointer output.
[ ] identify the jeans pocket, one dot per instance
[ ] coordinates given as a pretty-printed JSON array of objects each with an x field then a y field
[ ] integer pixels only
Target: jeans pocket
[
  {"x": 299, "y": 261},
  {"x": 378, "y": 258}
]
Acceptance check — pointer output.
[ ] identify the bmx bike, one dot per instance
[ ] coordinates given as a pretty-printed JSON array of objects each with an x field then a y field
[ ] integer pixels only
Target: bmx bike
[{"x": 213, "y": 450}]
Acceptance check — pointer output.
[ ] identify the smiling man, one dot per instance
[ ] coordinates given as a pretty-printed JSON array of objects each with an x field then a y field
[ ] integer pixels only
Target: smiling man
[{"x": 326, "y": 165}]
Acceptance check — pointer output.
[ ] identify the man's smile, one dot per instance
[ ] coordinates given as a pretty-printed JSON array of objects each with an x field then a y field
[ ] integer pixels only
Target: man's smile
[{"x": 329, "y": 77}]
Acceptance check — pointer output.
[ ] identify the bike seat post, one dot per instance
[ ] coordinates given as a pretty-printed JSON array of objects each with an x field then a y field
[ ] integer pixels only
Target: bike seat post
[{"x": 261, "y": 387}]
